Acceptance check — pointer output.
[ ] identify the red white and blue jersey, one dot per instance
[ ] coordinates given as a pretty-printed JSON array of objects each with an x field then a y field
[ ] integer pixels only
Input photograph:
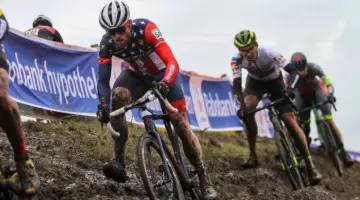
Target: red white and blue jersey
[{"x": 147, "y": 52}]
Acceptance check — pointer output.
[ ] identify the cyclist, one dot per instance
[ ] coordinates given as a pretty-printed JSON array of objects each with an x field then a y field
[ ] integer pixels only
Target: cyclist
[
  {"x": 149, "y": 58},
  {"x": 11, "y": 124},
  {"x": 43, "y": 28},
  {"x": 264, "y": 76},
  {"x": 309, "y": 90}
]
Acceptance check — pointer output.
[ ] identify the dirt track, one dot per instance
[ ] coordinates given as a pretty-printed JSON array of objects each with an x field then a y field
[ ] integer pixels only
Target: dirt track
[{"x": 69, "y": 158}]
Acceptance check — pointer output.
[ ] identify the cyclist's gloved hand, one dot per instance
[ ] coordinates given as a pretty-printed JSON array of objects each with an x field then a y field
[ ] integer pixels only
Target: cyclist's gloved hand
[
  {"x": 241, "y": 113},
  {"x": 163, "y": 88},
  {"x": 103, "y": 113},
  {"x": 290, "y": 92},
  {"x": 331, "y": 98}
]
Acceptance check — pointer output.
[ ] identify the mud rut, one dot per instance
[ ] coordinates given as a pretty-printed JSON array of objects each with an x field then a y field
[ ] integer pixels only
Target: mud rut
[{"x": 66, "y": 173}]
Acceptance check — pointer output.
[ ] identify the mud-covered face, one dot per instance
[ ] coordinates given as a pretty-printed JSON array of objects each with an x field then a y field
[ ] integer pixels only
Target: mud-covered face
[
  {"x": 249, "y": 52},
  {"x": 121, "y": 35}
]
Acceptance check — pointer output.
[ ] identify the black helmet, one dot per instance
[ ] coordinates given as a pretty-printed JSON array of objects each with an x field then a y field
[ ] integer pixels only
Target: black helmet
[
  {"x": 298, "y": 60},
  {"x": 42, "y": 20}
]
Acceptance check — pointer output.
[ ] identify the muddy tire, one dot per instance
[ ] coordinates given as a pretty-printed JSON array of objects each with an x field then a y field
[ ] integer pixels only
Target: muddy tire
[
  {"x": 331, "y": 147},
  {"x": 144, "y": 144},
  {"x": 288, "y": 158}
]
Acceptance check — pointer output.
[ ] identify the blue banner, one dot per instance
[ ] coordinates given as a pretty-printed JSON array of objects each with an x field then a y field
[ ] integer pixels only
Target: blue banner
[{"x": 49, "y": 75}]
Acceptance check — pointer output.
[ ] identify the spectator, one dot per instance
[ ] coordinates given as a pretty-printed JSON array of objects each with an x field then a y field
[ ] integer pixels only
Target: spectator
[{"x": 42, "y": 27}]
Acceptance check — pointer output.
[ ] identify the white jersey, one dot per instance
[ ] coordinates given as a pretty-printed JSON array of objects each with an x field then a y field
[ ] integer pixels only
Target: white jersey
[
  {"x": 3, "y": 25},
  {"x": 266, "y": 67}
]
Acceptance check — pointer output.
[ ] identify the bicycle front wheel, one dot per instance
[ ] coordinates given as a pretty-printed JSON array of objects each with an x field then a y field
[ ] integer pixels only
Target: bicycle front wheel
[
  {"x": 157, "y": 183},
  {"x": 331, "y": 146},
  {"x": 288, "y": 158}
]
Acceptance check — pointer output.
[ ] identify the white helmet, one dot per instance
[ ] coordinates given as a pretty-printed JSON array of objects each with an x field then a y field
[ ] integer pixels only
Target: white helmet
[{"x": 114, "y": 15}]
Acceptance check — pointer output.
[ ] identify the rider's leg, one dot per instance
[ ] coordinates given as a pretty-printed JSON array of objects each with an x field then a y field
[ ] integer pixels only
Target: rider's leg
[
  {"x": 326, "y": 110},
  {"x": 10, "y": 122},
  {"x": 251, "y": 102},
  {"x": 302, "y": 101},
  {"x": 252, "y": 97},
  {"x": 190, "y": 141},
  {"x": 127, "y": 87}
]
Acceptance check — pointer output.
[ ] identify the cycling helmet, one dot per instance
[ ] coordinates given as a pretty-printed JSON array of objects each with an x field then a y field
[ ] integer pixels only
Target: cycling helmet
[
  {"x": 298, "y": 60},
  {"x": 42, "y": 20},
  {"x": 113, "y": 15},
  {"x": 244, "y": 38}
]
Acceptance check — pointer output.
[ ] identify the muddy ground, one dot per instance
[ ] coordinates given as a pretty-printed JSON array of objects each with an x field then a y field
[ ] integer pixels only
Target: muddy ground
[{"x": 69, "y": 157}]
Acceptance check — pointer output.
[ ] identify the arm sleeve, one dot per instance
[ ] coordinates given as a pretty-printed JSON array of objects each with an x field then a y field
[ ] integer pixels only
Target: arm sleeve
[
  {"x": 104, "y": 73},
  {"x": 278, "y": 57},
  {"x": 293, "y": 78},
  {"x": 237, "y": 77},
  {"x": 153, "y": 36},
  {"x": 319, "y": 72},
  {"x": 4, "y": 26}
]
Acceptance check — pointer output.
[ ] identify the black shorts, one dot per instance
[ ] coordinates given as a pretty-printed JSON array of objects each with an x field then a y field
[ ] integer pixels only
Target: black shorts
[
  {"x": 274, "y": 87},
  {"x": 139, "y": 84},
  {"x": 304, "y": 100}
]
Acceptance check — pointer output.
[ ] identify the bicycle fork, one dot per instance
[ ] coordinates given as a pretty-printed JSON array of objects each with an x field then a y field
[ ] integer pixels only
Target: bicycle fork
[{"x": 151, "y": 129}]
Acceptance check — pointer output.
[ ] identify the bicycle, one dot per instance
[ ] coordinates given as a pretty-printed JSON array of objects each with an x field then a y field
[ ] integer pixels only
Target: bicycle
[
  {"x": 290, "y": 162},
  {"x": 326, "y": 136},
  {"x": 172, "y": 170}
]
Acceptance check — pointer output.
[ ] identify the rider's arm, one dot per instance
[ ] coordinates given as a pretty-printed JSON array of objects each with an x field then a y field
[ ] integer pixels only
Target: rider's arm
[
  {"x": 286, "y": 65},
  {"x": 237, "y": 82},
  {"x": 153, "y": 36},
  {"x": 319, "y": 72},
  {"x": 4, "y": 26},
  {"x": 104, "y": 72}
]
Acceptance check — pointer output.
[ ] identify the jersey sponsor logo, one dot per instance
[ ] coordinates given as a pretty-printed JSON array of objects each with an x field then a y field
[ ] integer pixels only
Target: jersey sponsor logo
[
  {"x": 34, "y": 32},
  {"x": 156, "y": 33},
  {"x": 280, "y": 58}
]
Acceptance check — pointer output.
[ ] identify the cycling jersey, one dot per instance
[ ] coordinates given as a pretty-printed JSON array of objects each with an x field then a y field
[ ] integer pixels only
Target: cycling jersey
[
  {"x": 266, "y": 66},
  {"x": 45, "y": 32},
  {"x": 4, "y": 26},
  {"x": 147, "y": 53},
  {"x": 308, "y": 83}
]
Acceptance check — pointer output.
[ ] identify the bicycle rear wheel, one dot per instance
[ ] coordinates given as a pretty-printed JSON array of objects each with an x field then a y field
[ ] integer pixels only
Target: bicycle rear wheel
[
  {"x": 147, "y": 153},
  {"x": 288, "y": 158},
  {"x": 331, "y": 147}
]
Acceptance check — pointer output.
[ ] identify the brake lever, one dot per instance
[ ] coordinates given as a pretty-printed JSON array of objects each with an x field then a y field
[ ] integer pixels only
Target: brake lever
[{"x": 333, "y": 105}]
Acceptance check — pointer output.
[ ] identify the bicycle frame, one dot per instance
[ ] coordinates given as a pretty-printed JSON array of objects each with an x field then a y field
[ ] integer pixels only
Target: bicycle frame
[{"x": 148, "y": 117}]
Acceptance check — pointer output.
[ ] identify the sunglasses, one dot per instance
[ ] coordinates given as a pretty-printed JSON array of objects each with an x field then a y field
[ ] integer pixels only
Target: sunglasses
[{"x": 120, "y": 30}]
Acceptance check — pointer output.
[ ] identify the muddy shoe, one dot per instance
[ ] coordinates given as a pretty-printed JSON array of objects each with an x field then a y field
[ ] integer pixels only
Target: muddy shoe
[
  {"x": 314, "y": 176},
  {"x": 29, "y": 179},
  {"x": 206, "y": 188},
  {"x": 115, "y": 171},
  {"x": 347, "y": 160},
  {"x": 251, "y": 163}
]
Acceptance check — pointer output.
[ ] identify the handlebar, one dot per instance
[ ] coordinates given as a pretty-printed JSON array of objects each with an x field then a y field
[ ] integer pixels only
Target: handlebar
[
  {"x": 155, "y": 94},
  {"x": 285, "y": 98},
  {"x": 317, "y": 106}
]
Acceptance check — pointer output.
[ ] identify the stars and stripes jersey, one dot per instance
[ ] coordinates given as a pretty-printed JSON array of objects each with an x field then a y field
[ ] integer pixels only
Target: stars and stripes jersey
[
  {"x": 4, "y": 26},
  {"x": 266, "y": 67},
  {"x": 147, "y": 51}
]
